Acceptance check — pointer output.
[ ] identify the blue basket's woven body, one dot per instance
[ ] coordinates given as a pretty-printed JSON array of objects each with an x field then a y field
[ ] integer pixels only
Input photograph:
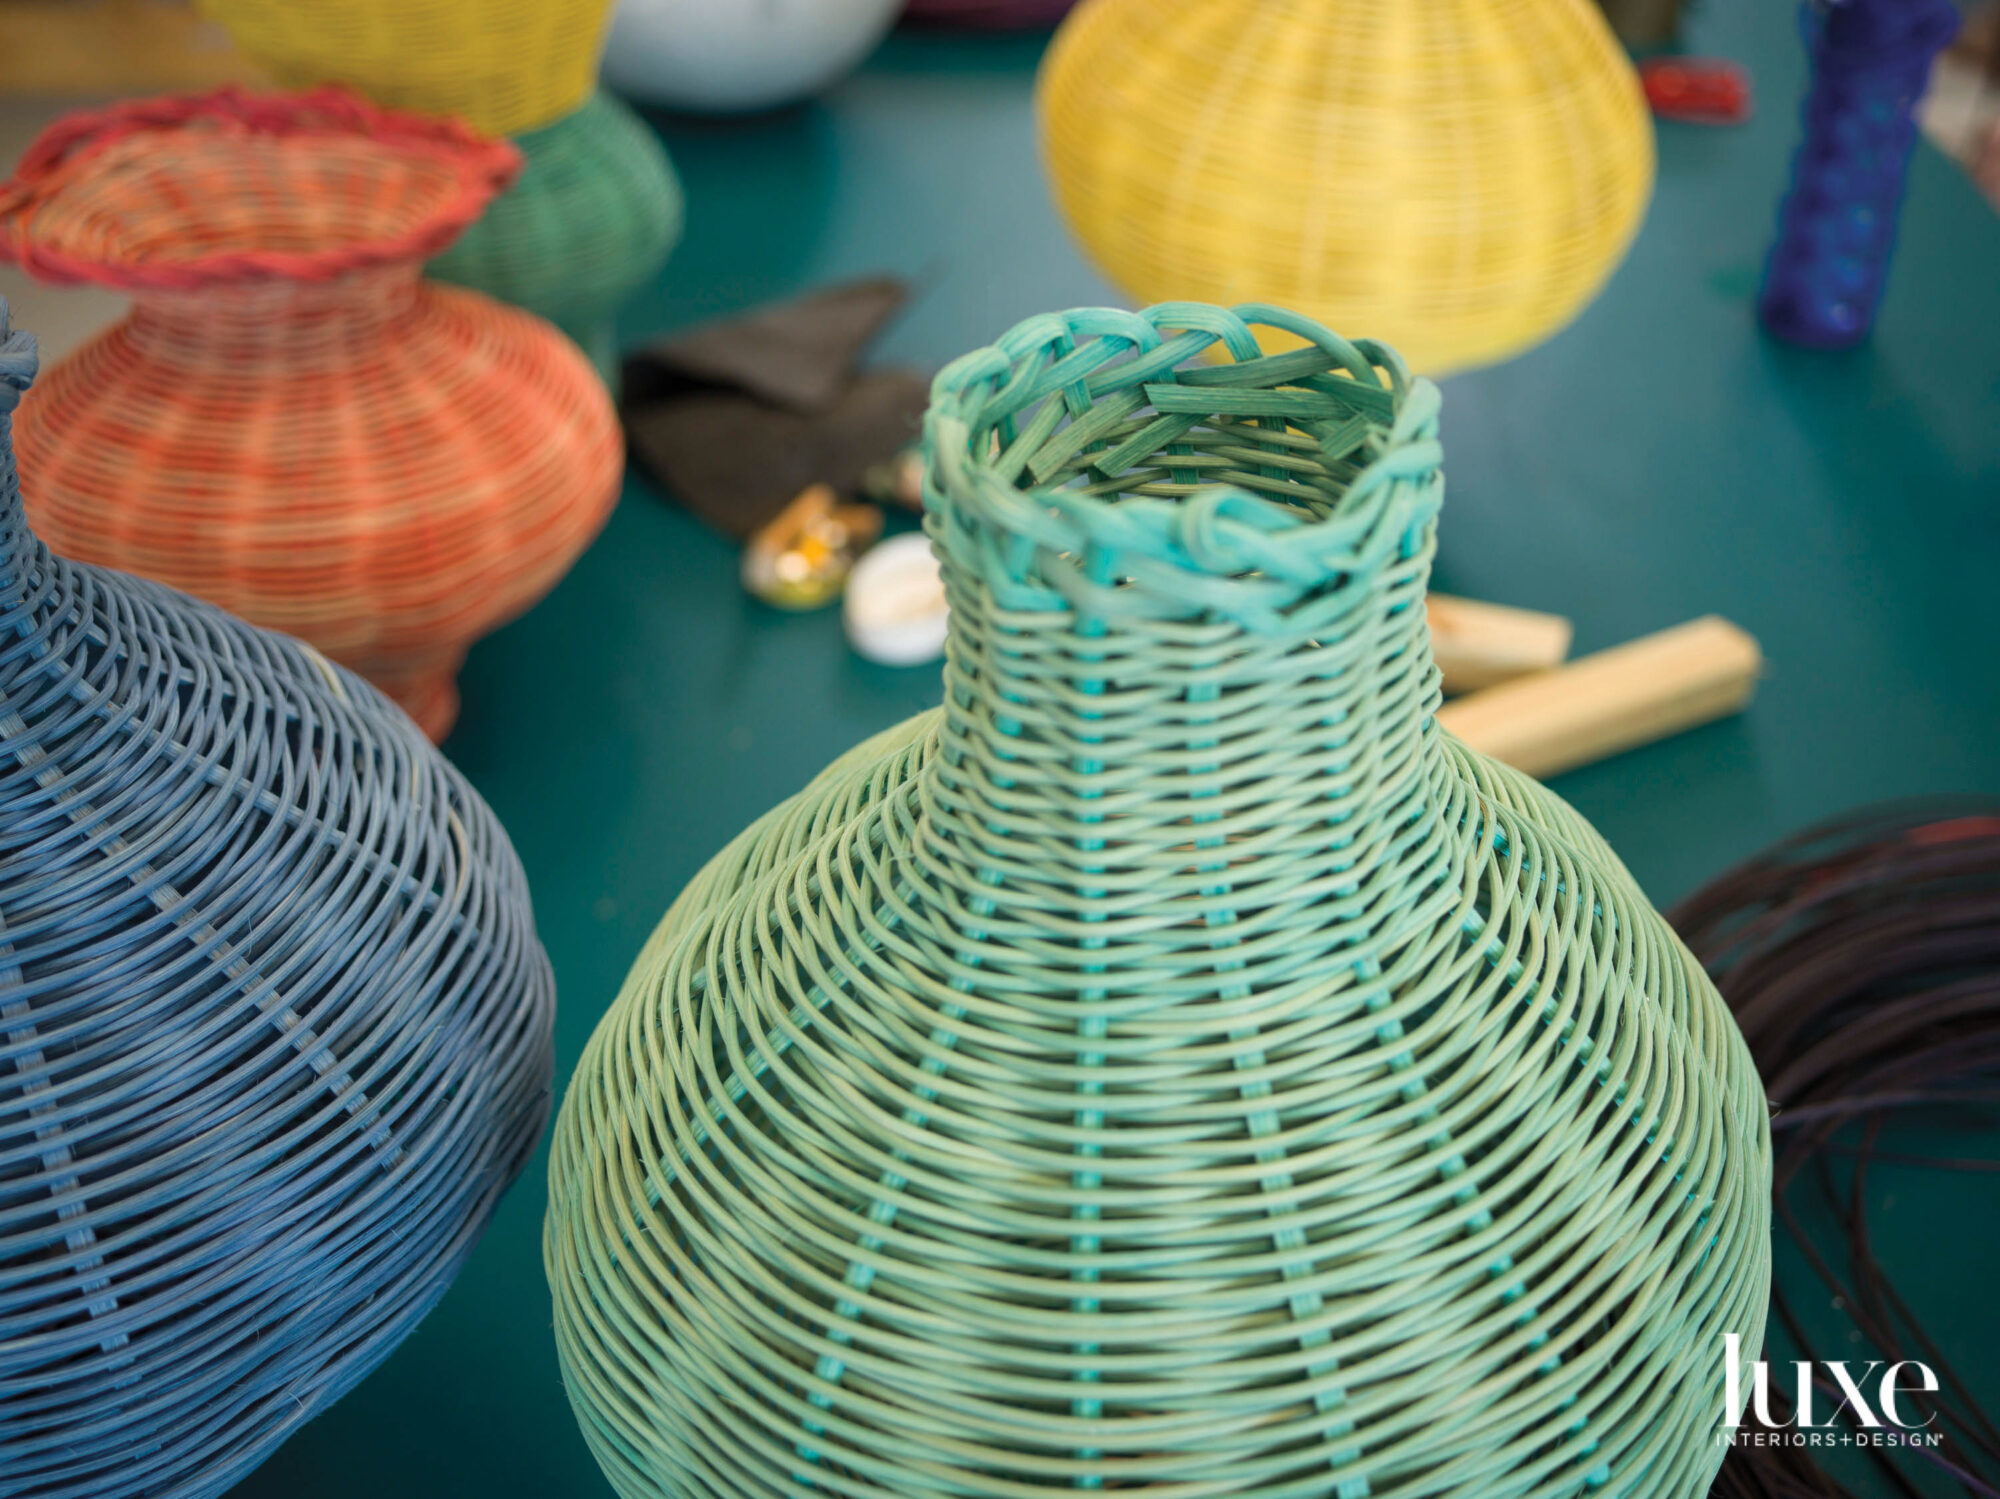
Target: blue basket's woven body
[{"x": 274, "y": 1026}]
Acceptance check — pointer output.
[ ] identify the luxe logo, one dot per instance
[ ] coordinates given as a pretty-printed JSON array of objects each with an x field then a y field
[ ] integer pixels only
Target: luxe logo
[{"x": 1875, "y": 1407}]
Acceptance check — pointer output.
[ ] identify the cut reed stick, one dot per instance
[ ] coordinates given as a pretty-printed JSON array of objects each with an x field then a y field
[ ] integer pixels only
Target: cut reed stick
[
  {"x": 1478, "y": 644},
  {"x": 1611, "y": 701}
]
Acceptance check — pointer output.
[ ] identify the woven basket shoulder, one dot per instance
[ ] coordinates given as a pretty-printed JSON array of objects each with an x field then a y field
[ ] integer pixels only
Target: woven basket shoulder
[
  {"x": 1174, "y": 1063},
  {"x": 274, "y": 1026},
  {"x": 593, "y": 218}
]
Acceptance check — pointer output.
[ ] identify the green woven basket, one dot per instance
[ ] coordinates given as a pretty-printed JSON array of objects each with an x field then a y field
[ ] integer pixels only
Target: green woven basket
[
  {"x": 593, "y": 218},
  {"x": 1175, "y": 1064}
]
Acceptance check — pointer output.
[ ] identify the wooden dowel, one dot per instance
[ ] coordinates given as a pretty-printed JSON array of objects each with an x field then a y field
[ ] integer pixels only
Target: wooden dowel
[
  {"x": 1478, "y": 644},
  {"x": 1614, "y": 700}
]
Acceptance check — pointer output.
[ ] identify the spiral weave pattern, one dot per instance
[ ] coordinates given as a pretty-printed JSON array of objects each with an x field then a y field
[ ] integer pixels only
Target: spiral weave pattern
[
  {"x": 1174, "y": 1064},
  {"x": 504, "y": 66},
  {"x": 274, "y": 1027},
  {"x": 291, "y": 424},
  {"x": 1461, "y": 175}
]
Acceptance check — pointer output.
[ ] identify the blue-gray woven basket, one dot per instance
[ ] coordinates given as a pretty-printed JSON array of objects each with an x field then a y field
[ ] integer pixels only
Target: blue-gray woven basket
[{"x": 274, "y": 1026}]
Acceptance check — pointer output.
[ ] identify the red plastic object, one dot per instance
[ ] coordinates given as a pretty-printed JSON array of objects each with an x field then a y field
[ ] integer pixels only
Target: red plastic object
[{"x": 1700, "y": 91}]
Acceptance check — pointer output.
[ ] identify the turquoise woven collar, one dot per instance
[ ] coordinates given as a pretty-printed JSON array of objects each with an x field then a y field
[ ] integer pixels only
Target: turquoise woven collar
[{"x": 1033, "y": 442}]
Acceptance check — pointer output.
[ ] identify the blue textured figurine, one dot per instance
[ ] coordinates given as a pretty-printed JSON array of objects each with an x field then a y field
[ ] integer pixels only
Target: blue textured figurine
[
  {"x": 1871, "y": 60},
  {"x": 274, "y": 1026}
]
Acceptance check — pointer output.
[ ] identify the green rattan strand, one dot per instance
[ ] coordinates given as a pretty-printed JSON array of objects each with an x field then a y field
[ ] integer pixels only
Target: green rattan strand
[
  {"x": 596, "y": 213},
  {"x": 1174, "y": 1064}
]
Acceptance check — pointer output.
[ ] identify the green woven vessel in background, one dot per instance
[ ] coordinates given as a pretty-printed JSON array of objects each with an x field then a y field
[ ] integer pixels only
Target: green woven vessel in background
[
  {"x": 596, "y": 213},
  {"x": 1174, "y": 1064}
]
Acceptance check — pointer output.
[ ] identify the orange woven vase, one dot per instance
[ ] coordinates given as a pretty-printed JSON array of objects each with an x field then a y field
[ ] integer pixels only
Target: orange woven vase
[{"x": 291, "y": 423}]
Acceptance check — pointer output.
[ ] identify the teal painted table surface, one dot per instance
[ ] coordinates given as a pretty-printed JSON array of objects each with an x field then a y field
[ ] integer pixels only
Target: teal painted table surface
[{"x": 1657, "y": 460}]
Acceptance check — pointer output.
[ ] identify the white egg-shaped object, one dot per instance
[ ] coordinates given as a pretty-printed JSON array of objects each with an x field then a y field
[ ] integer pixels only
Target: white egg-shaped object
[{"x": 733, "y": 56}]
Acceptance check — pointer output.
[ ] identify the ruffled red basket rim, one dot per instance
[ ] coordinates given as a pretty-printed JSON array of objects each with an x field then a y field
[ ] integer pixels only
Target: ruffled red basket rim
[{"x": 64, "y": 154}]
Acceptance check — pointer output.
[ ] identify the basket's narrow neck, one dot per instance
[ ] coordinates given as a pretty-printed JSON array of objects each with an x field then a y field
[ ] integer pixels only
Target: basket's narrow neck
[
  {"x": 254, "y": 321},
  {"x": 1108, "y": 756}
]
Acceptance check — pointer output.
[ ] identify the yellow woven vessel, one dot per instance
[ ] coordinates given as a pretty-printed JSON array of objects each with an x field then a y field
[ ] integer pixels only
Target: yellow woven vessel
[
  {"x": 505, "y": 66},
  {"x": 1459, "y": 175}
]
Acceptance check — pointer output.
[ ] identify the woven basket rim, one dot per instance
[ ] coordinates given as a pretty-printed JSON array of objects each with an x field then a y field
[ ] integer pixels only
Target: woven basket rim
[
  {"x": 1225, "y": 540},
  {"x": 67, "y": 151}
]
